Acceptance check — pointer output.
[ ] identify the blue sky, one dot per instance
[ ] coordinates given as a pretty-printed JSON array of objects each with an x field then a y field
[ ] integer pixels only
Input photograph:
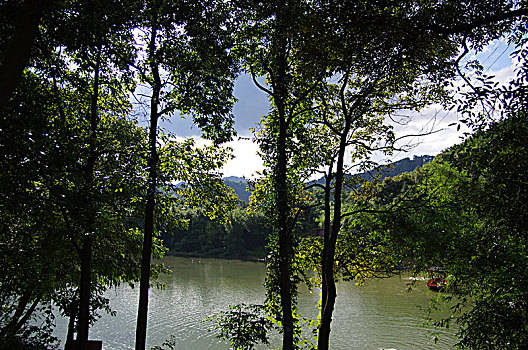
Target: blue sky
[{"x": 252, "y": 104}]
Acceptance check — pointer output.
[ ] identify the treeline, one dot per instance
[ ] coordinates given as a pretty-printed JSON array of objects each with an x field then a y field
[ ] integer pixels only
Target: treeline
[{"x": 244, "y": 236}]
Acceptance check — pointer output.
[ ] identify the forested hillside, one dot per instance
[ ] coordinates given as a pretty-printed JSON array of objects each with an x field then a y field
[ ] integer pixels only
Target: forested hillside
[{"x": 240, "y": 186}]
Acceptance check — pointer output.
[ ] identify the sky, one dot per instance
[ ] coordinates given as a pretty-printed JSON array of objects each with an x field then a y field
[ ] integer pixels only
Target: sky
[{"x": 253, "y": 104}]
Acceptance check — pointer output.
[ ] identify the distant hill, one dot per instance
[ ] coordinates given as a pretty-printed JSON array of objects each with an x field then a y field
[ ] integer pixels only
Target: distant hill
[
  {"x": 393, "y": 169},
  {"x": 405, "y": 165},
  {"x": 239, "y": 184}
]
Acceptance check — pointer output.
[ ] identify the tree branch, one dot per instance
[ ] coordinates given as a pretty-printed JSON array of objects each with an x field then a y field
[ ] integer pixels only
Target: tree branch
[
  {"x": 479, "y": 22},
  {"x": 269, "y": 92}
]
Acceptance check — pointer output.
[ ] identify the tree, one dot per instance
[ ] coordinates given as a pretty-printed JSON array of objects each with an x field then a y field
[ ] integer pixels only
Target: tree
[
  {"x": 44, "y": 151},
  {"x": 372, "y": 86},
  {"x": 470, "y": 218},
  {"x": 403, "y": 69},
  {"x": 92, "y": 65},
  {"x": 188, "y": 68},
  {"x": 270, "y": 40},
  {"x": 102, "y": 51}
]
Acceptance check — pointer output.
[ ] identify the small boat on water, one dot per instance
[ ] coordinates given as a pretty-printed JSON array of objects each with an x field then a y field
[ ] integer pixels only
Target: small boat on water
[{"x": 437, "y": 280}]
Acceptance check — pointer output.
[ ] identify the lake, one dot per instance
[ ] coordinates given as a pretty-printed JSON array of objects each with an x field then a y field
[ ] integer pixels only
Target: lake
[{"x": 379, "y": 315}]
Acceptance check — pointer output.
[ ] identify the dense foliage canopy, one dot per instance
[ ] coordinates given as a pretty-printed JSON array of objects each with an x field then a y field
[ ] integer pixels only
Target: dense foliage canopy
[
  {"x": 86, "y": 193},
  {"x": 466, "y": 211}
]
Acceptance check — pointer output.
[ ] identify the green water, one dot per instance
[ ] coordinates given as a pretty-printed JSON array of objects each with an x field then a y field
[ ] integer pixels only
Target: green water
[{"x": 379, "y": 315}]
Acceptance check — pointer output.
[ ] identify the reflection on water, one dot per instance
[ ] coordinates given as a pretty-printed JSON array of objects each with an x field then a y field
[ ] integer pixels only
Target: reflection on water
[{"x": 379, "y": 315}]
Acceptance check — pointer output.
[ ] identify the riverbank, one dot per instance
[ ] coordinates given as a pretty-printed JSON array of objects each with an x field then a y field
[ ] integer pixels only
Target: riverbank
[{"x": 214, "y": 255}]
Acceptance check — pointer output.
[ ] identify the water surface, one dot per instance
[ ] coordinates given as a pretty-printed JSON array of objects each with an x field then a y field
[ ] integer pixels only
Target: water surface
[{"x": 379, "y": 315}]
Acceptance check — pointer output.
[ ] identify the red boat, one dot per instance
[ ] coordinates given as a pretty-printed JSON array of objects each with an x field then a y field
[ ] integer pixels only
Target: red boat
[{"x": 436, "y": 279}]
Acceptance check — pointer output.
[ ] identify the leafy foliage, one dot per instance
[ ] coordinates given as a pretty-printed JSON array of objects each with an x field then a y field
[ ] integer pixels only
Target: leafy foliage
[
  {"x": 44, "y": 156},
  {"x": 467, "y": 214},
  {"x": 243, "y": 325}
]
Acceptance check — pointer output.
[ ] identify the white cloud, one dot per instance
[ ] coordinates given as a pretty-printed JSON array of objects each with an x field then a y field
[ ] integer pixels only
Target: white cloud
[
  {"x": 427, "y": 133},
  {"x": 504, "y": 75},
  {"x": 246, "y": 160},
  {"x": 436, "y": 119}
]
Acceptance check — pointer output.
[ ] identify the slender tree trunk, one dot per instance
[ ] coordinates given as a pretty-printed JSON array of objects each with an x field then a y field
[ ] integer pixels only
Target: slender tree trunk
[
  {"x": 21, "y": 315},
  {"x": 329, "y": 291},
  {"x": 324, "y": 329},
  {"x": 17, "y": 56},
  {"x": 141, "y": 328},
  {"x": 281, "y": 181},
  {"x": 71, "y": 328},
  {"x": 85, "y": 291},
  {"x": 28, "y": 313},
  {"x": 88, "y": 239},
  {"x": 285, "y": 239},
  {"x": 10, "y": 328}
]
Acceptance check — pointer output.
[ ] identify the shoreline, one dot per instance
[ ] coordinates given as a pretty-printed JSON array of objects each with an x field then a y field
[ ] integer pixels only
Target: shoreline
[{"x": 215, "y": 256}]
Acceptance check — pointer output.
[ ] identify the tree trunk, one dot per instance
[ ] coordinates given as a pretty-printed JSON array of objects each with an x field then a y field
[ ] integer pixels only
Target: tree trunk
[
  {"x": 21, "y": 315},
  {"x": 324, "y": 327},
  {"x": 85, "y": 288},
  {"x": 71, "y": 328},
  {"x": 17, "y": 56},
  {"x": 141, "y": 327},
  {"x": 85, "y": 291},
  {"x": 285, "y": 240},
  {"x": 11, "y": 328},
  {"x": 281, "y": 181},
  {"x": 28, "y": 313},
  {"x": 329, "y": 291}
]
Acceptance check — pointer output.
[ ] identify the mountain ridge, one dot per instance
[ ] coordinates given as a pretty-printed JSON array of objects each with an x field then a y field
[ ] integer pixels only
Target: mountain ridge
[{"x": 239, "y": 184}]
